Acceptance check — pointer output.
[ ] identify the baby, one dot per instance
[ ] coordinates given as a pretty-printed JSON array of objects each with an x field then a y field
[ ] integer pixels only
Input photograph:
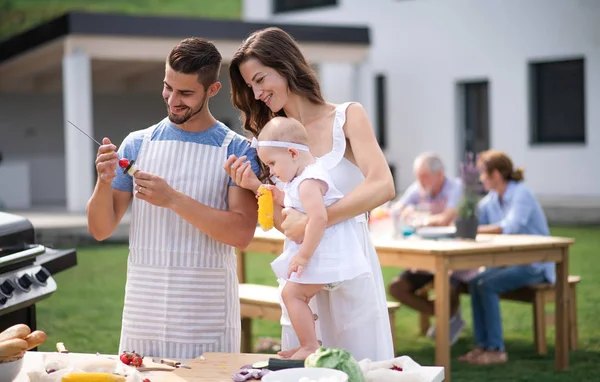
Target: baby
[{"x": 328, "y": 255}]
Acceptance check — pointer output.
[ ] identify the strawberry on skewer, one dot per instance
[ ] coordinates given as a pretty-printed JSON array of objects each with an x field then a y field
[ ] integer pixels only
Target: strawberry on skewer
[{"x": 128, "y": 166}]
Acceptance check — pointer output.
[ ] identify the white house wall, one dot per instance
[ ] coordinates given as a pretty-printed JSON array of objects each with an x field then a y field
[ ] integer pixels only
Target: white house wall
[{"x": 425, "y": 47}]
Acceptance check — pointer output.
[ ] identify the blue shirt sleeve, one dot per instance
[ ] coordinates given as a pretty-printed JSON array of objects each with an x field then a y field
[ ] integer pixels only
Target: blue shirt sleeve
[
  {"x": 129, "y": 148},
  {"x": 455, "y": 194},
  {"x": 483, "y": 214},
  {"x": 519, "y": 212},
  {"x": 410, "y": 196},
  {"x": 240, "y": 146}
]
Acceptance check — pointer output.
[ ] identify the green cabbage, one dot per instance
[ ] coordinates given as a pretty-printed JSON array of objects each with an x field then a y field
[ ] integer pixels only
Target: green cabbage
[{"x": 338, "y": 359}]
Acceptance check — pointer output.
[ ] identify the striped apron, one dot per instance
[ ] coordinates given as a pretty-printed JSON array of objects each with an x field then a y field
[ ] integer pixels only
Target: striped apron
[{"x": 181, "y": 296}]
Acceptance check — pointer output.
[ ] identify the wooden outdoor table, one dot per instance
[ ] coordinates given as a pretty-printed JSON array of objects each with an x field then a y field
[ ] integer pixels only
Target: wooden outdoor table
[
  {"x": 210, "y": 367},
  {"x": 218, "y": 367},
  {"x": 441, "y": 256}
]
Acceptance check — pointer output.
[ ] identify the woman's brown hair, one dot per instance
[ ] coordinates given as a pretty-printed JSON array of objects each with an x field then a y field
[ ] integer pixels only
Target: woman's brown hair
[
  {"x": 491, "y": 160},
  {"x": 275, "y": 49}
]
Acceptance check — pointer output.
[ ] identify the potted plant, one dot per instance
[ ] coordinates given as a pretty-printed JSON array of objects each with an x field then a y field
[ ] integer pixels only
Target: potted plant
[{"x": 467, "y": 221}]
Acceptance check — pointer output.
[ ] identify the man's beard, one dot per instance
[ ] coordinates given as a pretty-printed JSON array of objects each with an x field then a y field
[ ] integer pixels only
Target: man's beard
[{"x": 181, "y": 119}]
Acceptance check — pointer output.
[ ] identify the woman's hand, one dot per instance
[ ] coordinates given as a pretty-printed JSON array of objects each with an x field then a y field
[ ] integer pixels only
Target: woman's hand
[
  {"x": 294, "y": 224},
  {"x": 240, "y": 171},
  {"x": 278, "y": 195}
]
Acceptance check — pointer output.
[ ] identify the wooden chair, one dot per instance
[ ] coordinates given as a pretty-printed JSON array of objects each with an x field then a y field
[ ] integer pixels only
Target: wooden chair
[
  {"x": 262, "y": 301},
  {"x": 537, "y": 295}
]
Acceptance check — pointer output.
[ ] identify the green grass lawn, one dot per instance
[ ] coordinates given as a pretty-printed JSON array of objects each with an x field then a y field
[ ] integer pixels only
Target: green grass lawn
[
  {"x": 85, "y": 314},
  {"x": 19, "y": 15}
]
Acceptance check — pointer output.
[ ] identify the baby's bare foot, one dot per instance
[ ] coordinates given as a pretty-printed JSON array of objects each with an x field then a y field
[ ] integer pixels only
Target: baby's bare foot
[
  {"x": 288, "y": 353},
  {"x": 304, "y": 351}
]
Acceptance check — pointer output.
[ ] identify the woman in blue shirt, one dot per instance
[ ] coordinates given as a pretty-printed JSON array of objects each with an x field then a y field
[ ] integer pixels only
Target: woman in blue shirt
[{"x": 508, "y": 208}]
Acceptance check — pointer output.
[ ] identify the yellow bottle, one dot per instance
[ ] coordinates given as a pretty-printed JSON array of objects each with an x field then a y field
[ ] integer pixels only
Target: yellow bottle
[
  {"x": 93, "y": 377},
  {"x": 265, "y": 208}
]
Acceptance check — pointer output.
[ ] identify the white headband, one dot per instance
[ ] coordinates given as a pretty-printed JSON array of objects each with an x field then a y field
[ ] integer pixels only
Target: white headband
[{"x": 256, "y": 143}]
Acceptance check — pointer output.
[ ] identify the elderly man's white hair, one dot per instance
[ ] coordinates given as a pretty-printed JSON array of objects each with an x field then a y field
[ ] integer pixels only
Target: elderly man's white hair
[{"x": 431, "y": 160}]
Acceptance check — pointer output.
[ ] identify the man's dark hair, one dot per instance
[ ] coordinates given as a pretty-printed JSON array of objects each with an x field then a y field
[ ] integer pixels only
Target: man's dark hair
[{"x": 195, "y": 55}]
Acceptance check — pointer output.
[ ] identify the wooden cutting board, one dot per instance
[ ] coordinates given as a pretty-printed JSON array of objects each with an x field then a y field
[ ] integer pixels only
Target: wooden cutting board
[
  {"x": 217, "y": 367},
  {"x": 164, "y": 376}
]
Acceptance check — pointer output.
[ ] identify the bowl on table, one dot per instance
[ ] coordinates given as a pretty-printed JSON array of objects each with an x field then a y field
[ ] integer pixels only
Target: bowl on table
[
  {"x": 311, "y": 373},
  {"x": 10, "y": 370}
]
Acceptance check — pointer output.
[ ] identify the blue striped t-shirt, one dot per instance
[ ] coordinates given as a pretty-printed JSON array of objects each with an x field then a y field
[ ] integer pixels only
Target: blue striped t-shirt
[{"x": 167, "y": 131}]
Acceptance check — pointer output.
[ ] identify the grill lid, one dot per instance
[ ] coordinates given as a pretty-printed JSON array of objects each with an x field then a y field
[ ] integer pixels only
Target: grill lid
[{"x": 15, "y": 231}]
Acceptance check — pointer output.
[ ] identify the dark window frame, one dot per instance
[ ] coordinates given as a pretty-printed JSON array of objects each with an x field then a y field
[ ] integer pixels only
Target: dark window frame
[
  {"x": 283, "y": 6},
  {"x": 394, "y": 176},
  {"x": 381, "y": 109},
  {"x": 469, "y": 105},
  {"x": 537, "y": 135}
]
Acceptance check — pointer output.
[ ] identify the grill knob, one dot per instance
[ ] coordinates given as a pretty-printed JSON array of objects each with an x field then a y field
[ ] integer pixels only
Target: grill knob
[
  {"x": 42, "y": 275},
  {"x": 7, "y": 287},
  {"x": 3, "y": 300},
  {"x": 25, "y": 281}
]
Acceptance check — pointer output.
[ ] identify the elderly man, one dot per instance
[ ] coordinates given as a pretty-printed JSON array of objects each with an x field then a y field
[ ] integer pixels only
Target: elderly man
[
  {"x": 438, "y": 196},
  {"x": 432, "y": 192}
]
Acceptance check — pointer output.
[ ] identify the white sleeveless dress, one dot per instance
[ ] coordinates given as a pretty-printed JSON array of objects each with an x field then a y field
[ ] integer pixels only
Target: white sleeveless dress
[
  {"x": 354, "y": 315},
  {"x": 339, "y": 255}
]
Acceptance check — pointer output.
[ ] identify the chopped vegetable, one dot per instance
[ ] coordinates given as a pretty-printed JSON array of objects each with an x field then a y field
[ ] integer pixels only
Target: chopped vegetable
[{"x": 338, "y": 359}]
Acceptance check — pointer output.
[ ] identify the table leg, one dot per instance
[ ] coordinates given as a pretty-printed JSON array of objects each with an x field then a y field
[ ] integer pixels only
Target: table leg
[
  {"x": 241, "y": 265},
  {"x": 246, "y": 345},
  {"x": 441, "y": 286},
  {"x": 561, "y": 361}
]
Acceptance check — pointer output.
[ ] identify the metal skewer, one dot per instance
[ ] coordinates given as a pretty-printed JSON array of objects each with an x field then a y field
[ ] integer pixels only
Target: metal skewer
[{"x": 86, "y": 134}]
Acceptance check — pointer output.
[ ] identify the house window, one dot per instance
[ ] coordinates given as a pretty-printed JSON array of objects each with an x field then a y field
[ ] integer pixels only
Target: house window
[
  {"x": 280, "y": 6},
  {"x": 380, "y": 110},
  {"x": 558, "y": 101}
]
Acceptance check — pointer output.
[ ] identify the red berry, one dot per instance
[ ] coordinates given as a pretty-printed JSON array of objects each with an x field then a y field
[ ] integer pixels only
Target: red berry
[
  {"x": 397, "y": 368},
  {"x": 136, "y": 361},
  {"x": 146, "y": 380},
  {"x": 123, "y": 163},
  {"x": 125, "y": 358}
]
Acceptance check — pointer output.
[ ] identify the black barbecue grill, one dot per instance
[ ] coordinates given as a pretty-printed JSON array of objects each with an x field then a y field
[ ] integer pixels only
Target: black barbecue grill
[{"x": 26, "y": 270}]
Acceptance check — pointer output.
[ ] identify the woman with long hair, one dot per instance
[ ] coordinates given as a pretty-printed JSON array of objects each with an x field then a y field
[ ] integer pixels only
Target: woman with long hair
[
  {"x": 509, "y": 208},
  {"x": 270, "y": 77}
]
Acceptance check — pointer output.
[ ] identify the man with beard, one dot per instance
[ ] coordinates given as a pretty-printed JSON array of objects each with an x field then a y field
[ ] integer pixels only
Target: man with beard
[
  {"x": 432, "y": 200},
  {"x": 181, "y": 296}
]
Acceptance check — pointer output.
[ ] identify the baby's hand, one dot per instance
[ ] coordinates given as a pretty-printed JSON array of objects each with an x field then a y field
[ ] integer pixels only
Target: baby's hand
[
  {"x": 278, "y": 195},
  {"x": 297, "y": 265}
]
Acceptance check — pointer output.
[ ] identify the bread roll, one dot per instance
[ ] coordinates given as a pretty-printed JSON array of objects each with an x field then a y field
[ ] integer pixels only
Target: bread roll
[
  {"x": 12, "y": 347},
  {"x": 35, "y": 339},
  {"x": 15, "y": 331}
]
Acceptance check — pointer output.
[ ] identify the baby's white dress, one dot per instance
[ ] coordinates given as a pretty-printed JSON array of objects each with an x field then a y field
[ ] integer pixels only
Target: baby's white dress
[{"x": 339, "y": 255}]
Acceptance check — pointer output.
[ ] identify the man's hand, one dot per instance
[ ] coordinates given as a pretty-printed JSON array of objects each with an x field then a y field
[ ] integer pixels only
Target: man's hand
[
  {"x": 240, "y": 171},
  {"x": 153, "y": 189},
  {"x": 407, "y": 213},
  {"x": 297, "y": 264},
  {"x": 106, "y": 162}
]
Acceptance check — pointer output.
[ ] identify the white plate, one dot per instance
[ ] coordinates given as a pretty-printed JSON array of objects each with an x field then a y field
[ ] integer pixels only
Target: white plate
[
  {"x": 312, "y": 373},
  {"x": 435, "y": 232}
]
